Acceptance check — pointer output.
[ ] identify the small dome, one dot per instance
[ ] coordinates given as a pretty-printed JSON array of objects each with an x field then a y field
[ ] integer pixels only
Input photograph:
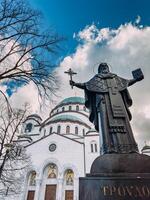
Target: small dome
[
  {"x": 146, "y": 147},
  {"x": 91, "y": 130},
  {"x": 34, "y": 116}
]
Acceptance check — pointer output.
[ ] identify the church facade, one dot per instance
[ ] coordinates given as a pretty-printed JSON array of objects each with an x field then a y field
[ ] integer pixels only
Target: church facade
[{"x": 62, "y": 149}]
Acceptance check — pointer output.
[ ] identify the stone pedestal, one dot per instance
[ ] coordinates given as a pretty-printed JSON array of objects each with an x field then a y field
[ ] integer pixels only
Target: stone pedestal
[
  {"x": 114, "y": 188},
  {"x": 117, "y": 177}
]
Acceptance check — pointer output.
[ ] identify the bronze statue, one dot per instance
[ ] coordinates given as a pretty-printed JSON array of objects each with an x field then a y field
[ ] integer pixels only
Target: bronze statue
[{"x": 108, "y": 100}]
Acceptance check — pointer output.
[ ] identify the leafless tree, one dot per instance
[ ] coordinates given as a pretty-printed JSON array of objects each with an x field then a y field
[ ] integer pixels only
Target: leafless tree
[
  {"x": 26, "y": 49},
  {"x": 13, "y": 158},
  {"x": 26, "y": 52}
]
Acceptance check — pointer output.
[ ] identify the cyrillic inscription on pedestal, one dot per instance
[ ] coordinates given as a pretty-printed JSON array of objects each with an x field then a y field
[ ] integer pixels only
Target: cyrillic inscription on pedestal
[{"x": 100, "y": 188}]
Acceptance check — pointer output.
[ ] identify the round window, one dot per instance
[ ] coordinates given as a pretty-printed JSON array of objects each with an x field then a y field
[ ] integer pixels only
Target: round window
[{"x": 52, "y": 147}]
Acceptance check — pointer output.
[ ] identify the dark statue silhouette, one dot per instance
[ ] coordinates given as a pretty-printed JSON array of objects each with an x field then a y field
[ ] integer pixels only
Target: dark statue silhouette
[
  {"x": 108, "y": 100},
  {"x": 121, "y": 172}
]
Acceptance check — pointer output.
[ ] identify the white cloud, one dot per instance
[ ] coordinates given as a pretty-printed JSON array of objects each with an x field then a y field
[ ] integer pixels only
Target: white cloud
[
  {"x": 11, "y": 51},
  {"x": 26, "y": 94},
  {"x": 21, "y": 95},
  {"x": 91, "y": 34},
  {"x": 124, "y": 49}
]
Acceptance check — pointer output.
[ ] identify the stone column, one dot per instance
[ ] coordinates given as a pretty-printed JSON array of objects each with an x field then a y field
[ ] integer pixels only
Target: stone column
[
  {"x": 37, "y": 189},
  {"x": 59, "y": 189},
  {"x": 76, "y": 189},
  {"x": 23, "y": 194}
]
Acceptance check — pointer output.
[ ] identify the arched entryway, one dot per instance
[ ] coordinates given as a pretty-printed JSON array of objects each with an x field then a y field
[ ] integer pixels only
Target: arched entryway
[
  {"x": 50, "y": 176},
  {"x": 31, "y": 185},
  {"x": 68, "y": 184}
]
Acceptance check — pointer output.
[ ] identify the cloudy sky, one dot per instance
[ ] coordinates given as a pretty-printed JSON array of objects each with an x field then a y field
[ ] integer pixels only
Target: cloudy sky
[{"x": 112, "y": 31}]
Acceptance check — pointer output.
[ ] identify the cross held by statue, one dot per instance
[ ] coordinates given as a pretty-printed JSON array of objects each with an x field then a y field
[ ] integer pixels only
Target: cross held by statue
[{"x": 70, "y": 72}]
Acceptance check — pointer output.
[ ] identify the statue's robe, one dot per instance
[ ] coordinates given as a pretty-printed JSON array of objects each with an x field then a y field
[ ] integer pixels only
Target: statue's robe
[{"x": 108, "y": 100}]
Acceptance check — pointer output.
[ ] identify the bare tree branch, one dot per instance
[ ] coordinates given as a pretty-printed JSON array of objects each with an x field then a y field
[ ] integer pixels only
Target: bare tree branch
[
  {"x": 26, "y": 55},
  {"x": 23, "y": 42},
  {"x": 13, "y": 160}
]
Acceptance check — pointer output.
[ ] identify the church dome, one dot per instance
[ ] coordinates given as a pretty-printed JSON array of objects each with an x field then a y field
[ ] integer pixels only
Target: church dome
[
  {"x": 146, "y": 147},
  {"x": 91, "y": 130},
  {"x": 31, "y": 122},
  {"x": 34, "y": 117},
  {"x": 68, "y": 119},
  {"x": 69, "y": 100},
  {"x": 65, "y": 118},
  {"x": 70, "y": 104},
  {"x": 69, "y": 116}
]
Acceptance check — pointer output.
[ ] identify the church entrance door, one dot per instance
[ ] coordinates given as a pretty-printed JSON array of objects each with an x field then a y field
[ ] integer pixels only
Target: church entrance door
[
  {"x": 50, "y": 192},
  {"x": 69, "y": 195},
  {"x": 30, "y": 195}
]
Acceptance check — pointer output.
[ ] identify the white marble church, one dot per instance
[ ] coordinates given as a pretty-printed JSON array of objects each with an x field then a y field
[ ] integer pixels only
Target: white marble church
[{"x": 62, "y": 149}]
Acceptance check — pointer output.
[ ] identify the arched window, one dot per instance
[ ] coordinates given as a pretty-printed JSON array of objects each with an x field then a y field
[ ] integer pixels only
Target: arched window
[
  {"x": 69, "y": 177},
  {"x": 52, "y": 171},
  {"x": 76, "y": 130},
  {"x": 31, "y": 185},
  {"x": 67, "y": 129},
  {"x": 63, "y": 108},
  {"x": 84, "y": 108},
  {"x": 44, "y": 132},
  {"x": 77, "y": 108},
  {"x": 93, "y": 146},
  {"x": 32, "y": 179},
  {"x": 28, "y": 128},
  {"x": 70, "y": 108},
  {"x": 58, "y": 129},
  {"x": 57, "y": 110},
  {"x": 51, "y": 129},
  {"x": 83, "y": 132}
]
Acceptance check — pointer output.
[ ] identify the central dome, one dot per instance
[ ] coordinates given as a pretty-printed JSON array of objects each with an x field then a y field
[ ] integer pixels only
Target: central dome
[
  {"x": 69, "y": 116},
  {"x": 72, "y": 100},
  {"x": 66, "y": 118}
]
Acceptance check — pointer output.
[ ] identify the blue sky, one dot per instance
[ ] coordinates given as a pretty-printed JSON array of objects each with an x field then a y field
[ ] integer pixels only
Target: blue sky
[
  {"x": 70, "y": 16},
  {"x": 104, "y": 34},
  {"x": 124, "y": 46}
]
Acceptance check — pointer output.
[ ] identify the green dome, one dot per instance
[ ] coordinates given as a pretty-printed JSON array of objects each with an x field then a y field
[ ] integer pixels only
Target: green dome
[
  {"x": 65, "y": 118},
  {"x": 92, "y": 130},
  {"x": 72, "y": 100},
  {"x": 146, "y": 147}
]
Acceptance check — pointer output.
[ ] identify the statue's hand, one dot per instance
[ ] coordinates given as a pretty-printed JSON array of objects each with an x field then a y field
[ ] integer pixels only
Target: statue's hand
[{"x": 72, "y": 83}]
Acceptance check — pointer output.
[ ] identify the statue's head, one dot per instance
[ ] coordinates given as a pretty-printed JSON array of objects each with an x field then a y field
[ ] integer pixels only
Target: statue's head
[{"x": 103, "y": 68}]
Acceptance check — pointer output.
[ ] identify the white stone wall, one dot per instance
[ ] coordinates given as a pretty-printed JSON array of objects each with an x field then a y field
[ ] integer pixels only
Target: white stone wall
[
  {"x": 91, "y": 138},
  {"x": 68, "y": 155},
  {"x": 63, "y": 125},
  {"x": 72, "y": 152}
]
